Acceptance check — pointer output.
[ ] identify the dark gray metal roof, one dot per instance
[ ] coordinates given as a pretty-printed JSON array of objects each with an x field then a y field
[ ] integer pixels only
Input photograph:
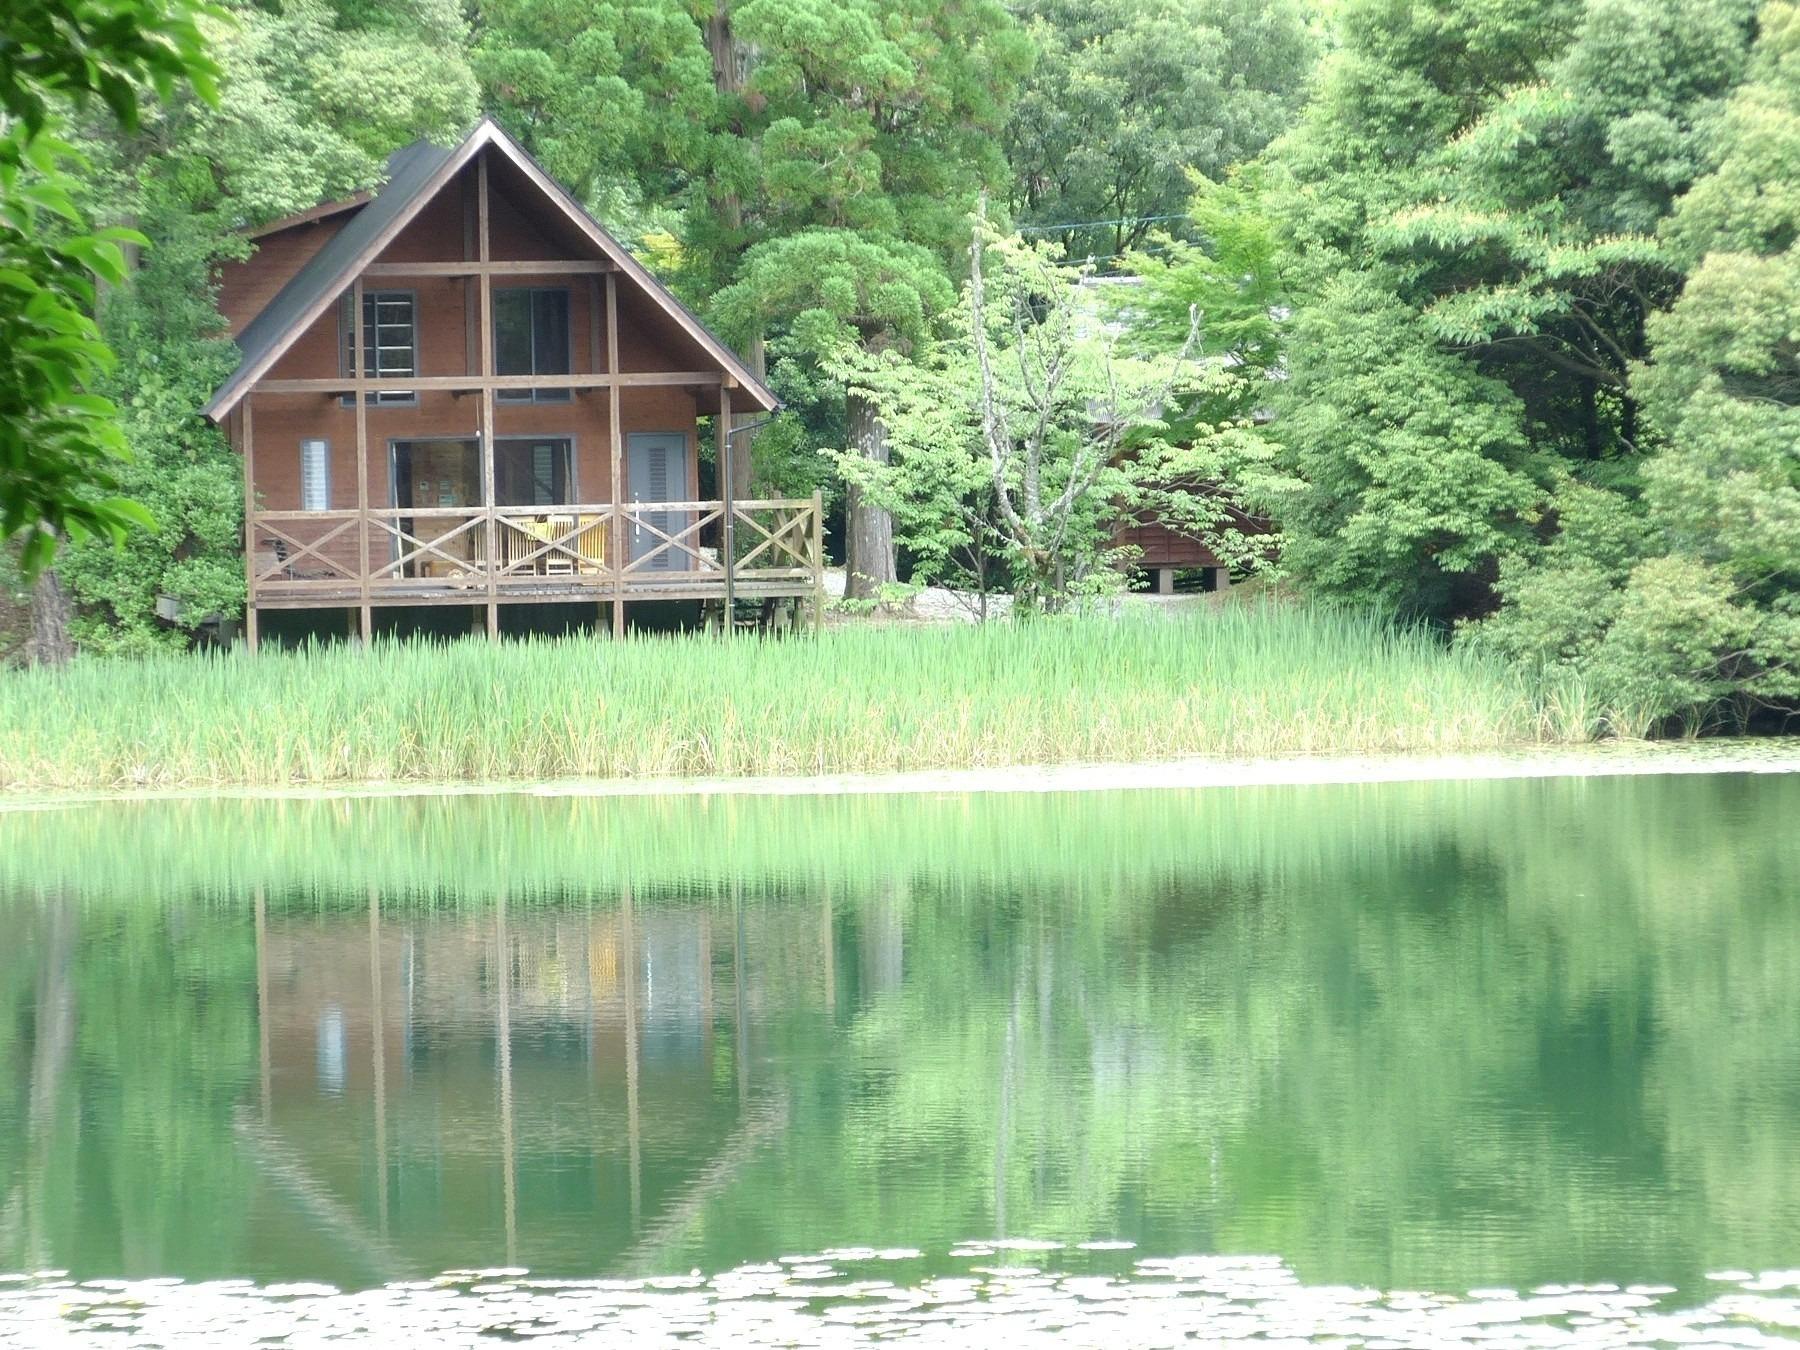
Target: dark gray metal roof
[{"x": 330, "y": 269}]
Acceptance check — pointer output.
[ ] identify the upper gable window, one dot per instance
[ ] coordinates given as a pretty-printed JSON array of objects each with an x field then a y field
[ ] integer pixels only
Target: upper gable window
[
  {"x": 531, "y": 337},
  {"x": 390, "y": 342}
]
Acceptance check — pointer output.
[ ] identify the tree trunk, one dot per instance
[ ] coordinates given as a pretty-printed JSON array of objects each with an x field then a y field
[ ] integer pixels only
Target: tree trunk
[
  {"x": 728, "y": 54},
  {"x": 49, "y": 1114},
  {"x": 731, "y": 63},
  {"x": 50, "y": 644},
  {"x": 868, "y": 529}
]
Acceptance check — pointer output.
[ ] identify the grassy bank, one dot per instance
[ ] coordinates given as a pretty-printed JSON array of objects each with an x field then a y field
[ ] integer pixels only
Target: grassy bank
[{"x": 1251, "y": 680}]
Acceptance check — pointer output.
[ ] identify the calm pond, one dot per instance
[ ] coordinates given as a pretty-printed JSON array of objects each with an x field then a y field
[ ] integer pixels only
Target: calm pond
[{"x": 1499, "y": 1062}]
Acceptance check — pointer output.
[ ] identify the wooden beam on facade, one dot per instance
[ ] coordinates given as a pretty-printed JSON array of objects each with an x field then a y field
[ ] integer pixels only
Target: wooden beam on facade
[
  {"x": 546, "y": 267},
  {"x": 247, "y": 430},
  {"x": 349, "y": 384},
  {"x": 596, "y": 363},
  {"x": 616, "y": 449},
  {"x": 818, "y": 561},
  {"x": 484, "y": 243},
  {"x": 728, "y": 539},
  {"x": 362, "y": 456},
  {"x": 632, "y": 379}
]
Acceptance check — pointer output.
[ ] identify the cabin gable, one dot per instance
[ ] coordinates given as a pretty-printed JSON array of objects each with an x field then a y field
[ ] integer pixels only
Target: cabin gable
[
  {"x": 247, "y": 286},
  {"x": 525, "y": 210}
]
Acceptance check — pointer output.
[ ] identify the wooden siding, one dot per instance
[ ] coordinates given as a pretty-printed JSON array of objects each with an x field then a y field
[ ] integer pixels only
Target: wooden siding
[
  {"x": 1162, "y": 547},
  {"x": 447, "y": 323},
  {"x": 245, "y": 287}
]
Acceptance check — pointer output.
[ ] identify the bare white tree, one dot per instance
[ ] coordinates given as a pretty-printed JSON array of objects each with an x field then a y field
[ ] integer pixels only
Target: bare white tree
[{"x": 1058, "y": 422}]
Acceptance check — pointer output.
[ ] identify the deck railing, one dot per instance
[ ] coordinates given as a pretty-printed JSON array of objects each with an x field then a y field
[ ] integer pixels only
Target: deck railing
[{"x": 756, "y": 547}]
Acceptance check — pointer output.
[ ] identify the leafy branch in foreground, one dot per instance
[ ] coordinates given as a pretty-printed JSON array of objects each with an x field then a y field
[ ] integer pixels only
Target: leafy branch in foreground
[{"x": 60, "y": 442}]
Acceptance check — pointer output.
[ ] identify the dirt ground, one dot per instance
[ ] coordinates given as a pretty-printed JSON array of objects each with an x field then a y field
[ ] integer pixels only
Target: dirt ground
[{"x": 938, "y": 605}]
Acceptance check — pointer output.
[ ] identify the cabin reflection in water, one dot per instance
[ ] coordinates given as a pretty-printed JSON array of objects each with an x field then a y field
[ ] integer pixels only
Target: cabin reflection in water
[{"x": 571, "y": 1087}]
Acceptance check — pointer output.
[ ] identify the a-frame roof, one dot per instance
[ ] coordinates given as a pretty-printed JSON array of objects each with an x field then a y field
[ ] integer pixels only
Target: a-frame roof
[{"x": 416, "y": 174}]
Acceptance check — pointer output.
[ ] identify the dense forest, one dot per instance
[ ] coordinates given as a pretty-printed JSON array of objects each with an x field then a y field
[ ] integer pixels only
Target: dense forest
[{"x": 1494, "y": 310}]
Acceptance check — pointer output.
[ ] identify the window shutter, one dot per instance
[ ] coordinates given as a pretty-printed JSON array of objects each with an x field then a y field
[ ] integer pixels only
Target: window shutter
[
  {"x": 543, "y": 474},
  {"x": 315, "y": 475},
  {"x": 656, "y": 488}
]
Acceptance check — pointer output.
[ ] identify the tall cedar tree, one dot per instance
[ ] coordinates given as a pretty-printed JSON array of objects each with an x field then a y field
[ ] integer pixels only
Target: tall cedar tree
[
  {"x": 813, "y": 157},
  {"x": 1129, "y": 97}
]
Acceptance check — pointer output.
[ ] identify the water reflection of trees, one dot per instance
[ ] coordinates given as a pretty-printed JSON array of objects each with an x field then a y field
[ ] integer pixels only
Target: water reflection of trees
[{"x": 1437, "y": 1034}]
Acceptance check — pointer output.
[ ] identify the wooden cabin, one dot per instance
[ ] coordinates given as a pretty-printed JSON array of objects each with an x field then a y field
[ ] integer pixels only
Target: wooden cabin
[
  {"x": 1149, "y": 544},
  {"x": 1159, "y": 549},
  {"x": 461, "y": 390}
]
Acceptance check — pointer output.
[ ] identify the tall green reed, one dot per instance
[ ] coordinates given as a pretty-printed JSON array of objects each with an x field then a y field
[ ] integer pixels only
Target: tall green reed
[{"x": 1241, "y": 681}]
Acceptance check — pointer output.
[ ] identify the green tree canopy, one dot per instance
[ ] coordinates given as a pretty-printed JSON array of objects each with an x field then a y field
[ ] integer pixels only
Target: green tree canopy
[
  {"x": 1128, "y": 97},
  {"x": 750, "y": 120},
  {"x": 768, "y": 135},
  {"x": 835, "y": 292},
  {"x": 59, "y": 445},
  {"x": 1493, "y": 176},
  {"x": 1684, "y": 603}
]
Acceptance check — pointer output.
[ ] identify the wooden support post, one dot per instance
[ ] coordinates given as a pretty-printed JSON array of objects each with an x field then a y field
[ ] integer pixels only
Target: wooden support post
[
  {"x": 247, "y": 429},
  {"x": 728, "y": 541},
  {"x": 616, "y": 449},
  {"x": 633, "y": 1129},
  {"x": 362, "y": 459},
  {"x": 492, "y": 526},
  {"x": 484, "y": 244},
  {"x": 818, "y": 561},
  {"x": 503, "y": 1041},
  {"x": 597, "y": 366},
  {"x": 378, "y": 1064},
  {"x": 259, "y": 904}
]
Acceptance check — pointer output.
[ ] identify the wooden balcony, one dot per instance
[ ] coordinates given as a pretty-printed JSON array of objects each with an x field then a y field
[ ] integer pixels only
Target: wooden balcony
[{"x": 584, "y": 552}]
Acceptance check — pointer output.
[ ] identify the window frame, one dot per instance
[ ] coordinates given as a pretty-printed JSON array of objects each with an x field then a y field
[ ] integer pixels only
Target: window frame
[
  {"x": 324, "y": 475},
  {"x": 551, "y": 395},
  {"x": 372, "y": 299},
  {"x": 571, "y": 451}
]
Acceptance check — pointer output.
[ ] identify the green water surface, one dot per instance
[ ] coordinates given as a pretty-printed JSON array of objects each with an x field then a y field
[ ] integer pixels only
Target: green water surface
[{"x": 1415, "y": 1036}]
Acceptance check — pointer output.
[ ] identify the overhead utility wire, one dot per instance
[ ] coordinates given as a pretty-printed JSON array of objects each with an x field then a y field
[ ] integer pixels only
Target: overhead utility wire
[{"x": 1090, "y": 224}]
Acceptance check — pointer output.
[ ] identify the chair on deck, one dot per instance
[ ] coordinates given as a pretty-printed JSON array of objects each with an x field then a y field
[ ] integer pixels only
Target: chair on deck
[
  {"x": 590, "y": 542},
  {"x": 274, "y": 550},
  {"x": 556, "y": 530}
]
